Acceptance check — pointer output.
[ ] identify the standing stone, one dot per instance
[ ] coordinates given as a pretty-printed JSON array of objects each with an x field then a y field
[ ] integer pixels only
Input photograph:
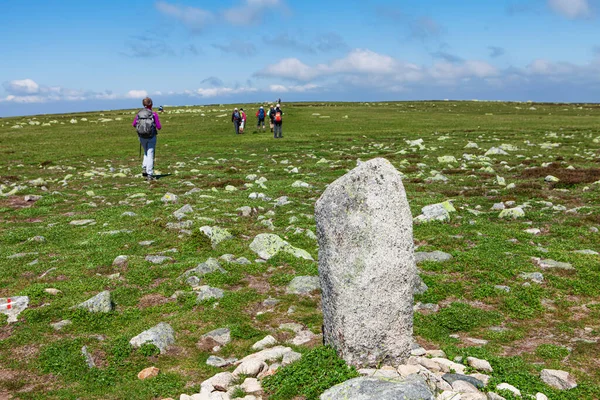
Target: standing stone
[{"x": 367, "y": 265}]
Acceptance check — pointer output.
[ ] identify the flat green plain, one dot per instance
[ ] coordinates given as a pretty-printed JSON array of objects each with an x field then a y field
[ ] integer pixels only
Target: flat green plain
[{"x": 86, "y": 166}]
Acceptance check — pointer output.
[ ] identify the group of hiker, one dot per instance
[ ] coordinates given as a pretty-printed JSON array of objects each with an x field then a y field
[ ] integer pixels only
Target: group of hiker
[
  {"x": 147, "y": 124},
  {"x": 275, "y": 115}
]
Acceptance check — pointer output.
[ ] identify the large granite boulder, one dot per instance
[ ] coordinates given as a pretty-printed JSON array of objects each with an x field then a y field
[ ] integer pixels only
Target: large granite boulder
[{"x": 367, "y": 265}]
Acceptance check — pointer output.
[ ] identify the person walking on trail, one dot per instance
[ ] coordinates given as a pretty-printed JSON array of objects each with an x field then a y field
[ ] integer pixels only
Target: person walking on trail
[
  {"x": 260, "y": 114},
  {"x": 272, "y": 117},
  {"x": 147, "y": 125},
  {"x": 243, "y": 123},
  {"x": 278, "y": 121},
  {"x": 236, "y": 118}
]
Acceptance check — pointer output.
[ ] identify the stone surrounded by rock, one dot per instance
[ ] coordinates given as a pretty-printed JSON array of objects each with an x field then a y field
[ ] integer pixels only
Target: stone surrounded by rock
[
  {"x": 479, "y": 364},
  {"x": 267, "y": 341},
  {"x": 100, "y": 303},
  {"x": 451, "y": 378},
  {"x": 367, "y": 388},
  {"x": 366, "y": 265},
  {"x": 161, "y": 335}
]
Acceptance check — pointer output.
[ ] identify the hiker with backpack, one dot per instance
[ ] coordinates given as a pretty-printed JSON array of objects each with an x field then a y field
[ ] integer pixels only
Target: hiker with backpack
[
  {"x": 243, "y": 123},
  {"x": 260, "y": 114},
  {"x": 278, "y": 121},
  {"x": 147, "y": 124},
  {"x": 271, "y": 115},
  {"x": 236, "y": 118}
]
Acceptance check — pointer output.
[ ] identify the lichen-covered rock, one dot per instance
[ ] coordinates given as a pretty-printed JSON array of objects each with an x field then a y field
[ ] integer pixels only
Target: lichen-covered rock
[
  {"x": 161, "y": 335},
  {"x": 366, "y": 388},
  {"x": 447, "y": 159},
  {"x": 206, "y": 292},
  {"x": 207, "y": 267},
  {"x": 99, "y": 303},
  {"x": 303, "y": 285},
  {"x": 267, "y": 245},
  {"x": 366, "y": 265},
  {"x": 435, "y": 212},
  {"x": 216, "y": 234},
  {"x": 495, "y": 151},
  {"x": 169, "y": 198},
  {"x": 513, "y": 213}
]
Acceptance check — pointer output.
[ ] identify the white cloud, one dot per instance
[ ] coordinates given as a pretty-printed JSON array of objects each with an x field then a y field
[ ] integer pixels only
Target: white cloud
[
  {"x": 293, "y": 88},
  {"x": 136, "y": 94},
  {"x": 195, "y": 19},
  {"x": 378, "y": 69},
  {"x": 219, "y": 91},
  {"x": 21, "y": 87},
  {"x": 249, "y": 12},
  {"x": 571, "y": 9},
  {"x": 290, "y": 68}
]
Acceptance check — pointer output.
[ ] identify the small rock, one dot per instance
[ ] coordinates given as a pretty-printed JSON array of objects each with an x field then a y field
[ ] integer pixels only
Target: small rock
[
  {"x": 558, "y": 379},
  {"x": 206, "y": 292},
  {"x": 435, "y": 256},
  {"x": 512, "y": 213},
  {"x": 303, "y": 285},
  {"x": 461, "y": 386},
  {"x": 551, "y": 264},
  {"x": 100, "y": 303},
  {"x": 303, "y": 337},
  {"x": 82, "y": 222},
  {"x": 149, "y": 372},
  {"x": 250, "y": 368},
  {"x": 452, "y": 378},
  {"x": 510, "y": 388},
  {"x": 52, "y": 291},
  {"x": 120, "y": 261},
  {"x": 219, "y": 362},
  {"x": 61, "y": 324},
  {"x": 89, "y": 360},
  {"x": 251, "y": 385},
  {"x": 161, "y": 335},
  {"x": 481, "y": 365},
  {"x": 268, "y": 341},
  {"x": 169, "y": 198},
  {"x": 158, "y": 259},
  {"x": 221, "y": 335}
]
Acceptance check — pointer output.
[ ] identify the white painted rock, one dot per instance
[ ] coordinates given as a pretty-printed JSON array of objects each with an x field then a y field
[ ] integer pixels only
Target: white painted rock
[{"x": 13, "y": 306}]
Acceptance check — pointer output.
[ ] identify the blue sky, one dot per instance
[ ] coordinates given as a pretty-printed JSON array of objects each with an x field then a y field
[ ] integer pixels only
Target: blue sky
[{"x": 79, "y": 55}]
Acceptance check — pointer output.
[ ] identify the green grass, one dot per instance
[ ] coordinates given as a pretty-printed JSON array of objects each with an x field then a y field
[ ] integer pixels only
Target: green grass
[
  {"x": 201, "y": 152},
  {"x": 316, "y": 371}
]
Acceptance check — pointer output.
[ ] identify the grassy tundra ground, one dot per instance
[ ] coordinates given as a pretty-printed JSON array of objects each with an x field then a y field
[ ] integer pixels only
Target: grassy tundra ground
[{"x": 91, "y": 170}]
